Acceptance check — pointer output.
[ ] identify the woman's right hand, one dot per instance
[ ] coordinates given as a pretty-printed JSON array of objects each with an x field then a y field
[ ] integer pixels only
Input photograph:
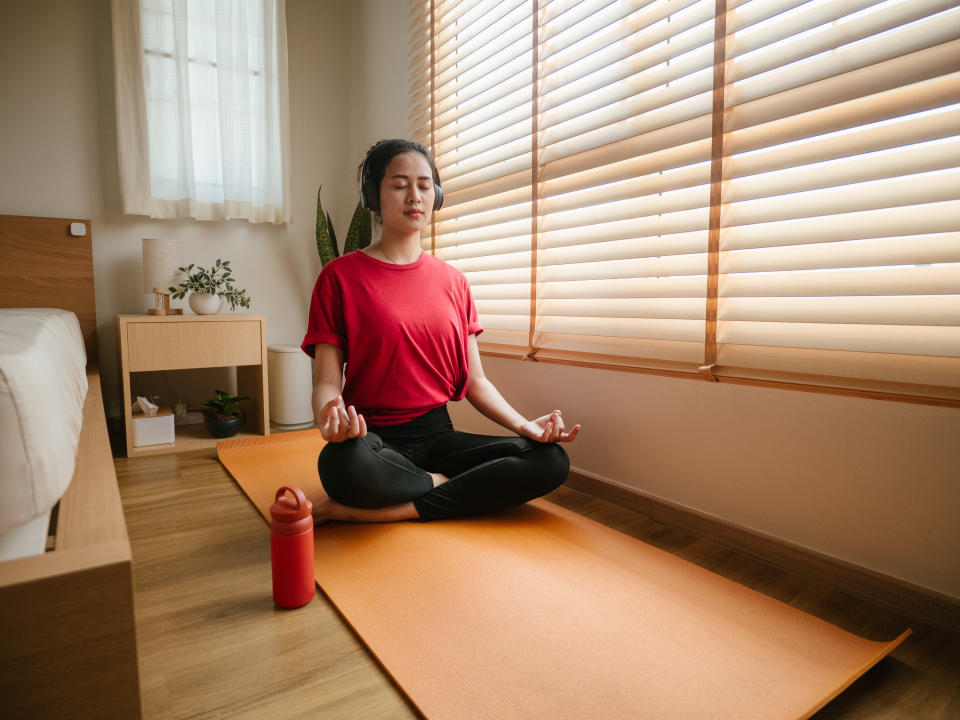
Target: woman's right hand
[{"x": 338, "y": 422}]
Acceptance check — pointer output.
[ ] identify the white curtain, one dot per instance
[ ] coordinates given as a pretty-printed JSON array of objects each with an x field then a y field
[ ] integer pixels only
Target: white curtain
[{"x": 202, "y": 118}]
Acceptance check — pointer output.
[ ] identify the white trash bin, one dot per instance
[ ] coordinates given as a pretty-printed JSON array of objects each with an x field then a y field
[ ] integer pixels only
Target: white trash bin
[{"x": 291, "y": 386}]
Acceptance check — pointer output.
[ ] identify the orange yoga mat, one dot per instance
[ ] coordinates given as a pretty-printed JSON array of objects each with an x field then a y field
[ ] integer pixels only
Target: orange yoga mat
[{"x": 537, "y": 612}]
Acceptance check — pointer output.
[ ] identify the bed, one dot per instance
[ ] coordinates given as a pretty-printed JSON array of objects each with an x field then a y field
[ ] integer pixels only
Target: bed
[{"x": 67, "y": 634}]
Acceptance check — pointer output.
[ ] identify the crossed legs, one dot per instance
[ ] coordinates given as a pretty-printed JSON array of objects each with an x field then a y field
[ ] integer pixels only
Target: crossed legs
[{"x": 368, "y": 480}]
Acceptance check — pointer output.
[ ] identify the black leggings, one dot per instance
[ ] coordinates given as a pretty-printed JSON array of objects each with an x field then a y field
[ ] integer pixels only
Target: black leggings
[{"x": 391, "y": 465}]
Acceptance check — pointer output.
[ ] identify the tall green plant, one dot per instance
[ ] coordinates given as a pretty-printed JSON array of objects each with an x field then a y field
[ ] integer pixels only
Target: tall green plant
[{"x": 358, "y": 234}]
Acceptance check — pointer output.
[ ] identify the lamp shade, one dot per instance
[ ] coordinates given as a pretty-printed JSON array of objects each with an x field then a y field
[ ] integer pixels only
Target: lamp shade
[{"x": 161, "y": 258}]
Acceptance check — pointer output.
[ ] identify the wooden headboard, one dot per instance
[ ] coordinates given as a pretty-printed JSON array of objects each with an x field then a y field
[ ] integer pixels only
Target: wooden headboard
[{"x": 43, "y": 265}]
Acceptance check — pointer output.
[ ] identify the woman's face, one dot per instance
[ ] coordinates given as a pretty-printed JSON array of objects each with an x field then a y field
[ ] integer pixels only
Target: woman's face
[{"x": 406, "y": 193}]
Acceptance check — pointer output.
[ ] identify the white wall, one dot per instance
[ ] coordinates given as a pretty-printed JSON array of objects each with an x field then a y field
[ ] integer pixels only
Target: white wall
[
  {"x": 871, "y": 482},
  {"x": 378, "y": 65}
]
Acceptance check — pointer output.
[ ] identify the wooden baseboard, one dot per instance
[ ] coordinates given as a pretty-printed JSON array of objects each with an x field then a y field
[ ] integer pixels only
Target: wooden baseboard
[{"x": 921, "y": 604}]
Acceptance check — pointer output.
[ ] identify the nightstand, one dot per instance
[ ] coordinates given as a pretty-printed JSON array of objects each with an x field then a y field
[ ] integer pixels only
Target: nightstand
[{"x": 182, "y": 342}]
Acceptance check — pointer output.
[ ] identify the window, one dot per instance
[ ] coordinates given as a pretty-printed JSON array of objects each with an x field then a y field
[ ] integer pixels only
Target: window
[
  {"x": 749, "y": 191},
  {"x": 202, "y": 108}
]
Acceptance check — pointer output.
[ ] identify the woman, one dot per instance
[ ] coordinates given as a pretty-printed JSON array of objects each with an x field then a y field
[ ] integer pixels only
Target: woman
[{"x": 405, "y": 324}]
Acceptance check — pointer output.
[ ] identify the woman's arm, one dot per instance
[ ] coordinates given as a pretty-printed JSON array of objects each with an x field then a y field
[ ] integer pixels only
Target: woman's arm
[
  {"x": 485, "y": 397},
  {"x": 336, "y": 422}
]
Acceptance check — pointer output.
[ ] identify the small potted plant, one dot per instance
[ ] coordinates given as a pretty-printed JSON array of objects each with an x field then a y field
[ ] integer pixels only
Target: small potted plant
[
  {"x": 209, "y": 288},
  {"x": 222, "y": 414}
]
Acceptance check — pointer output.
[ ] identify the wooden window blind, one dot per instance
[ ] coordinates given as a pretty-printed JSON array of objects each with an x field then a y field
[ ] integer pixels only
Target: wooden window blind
[{"x": 740, "y": 190}]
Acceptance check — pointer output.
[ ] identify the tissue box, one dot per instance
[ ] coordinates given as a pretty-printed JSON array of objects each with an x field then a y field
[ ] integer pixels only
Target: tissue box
[{"x": 153, "y": 429}]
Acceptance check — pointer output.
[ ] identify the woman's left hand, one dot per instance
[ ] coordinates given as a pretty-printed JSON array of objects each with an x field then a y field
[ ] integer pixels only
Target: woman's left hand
[{"x": 549, "y": 428}]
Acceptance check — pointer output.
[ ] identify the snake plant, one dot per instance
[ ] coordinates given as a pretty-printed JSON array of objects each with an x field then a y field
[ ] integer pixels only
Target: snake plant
[{"x": 358, "y": 235}]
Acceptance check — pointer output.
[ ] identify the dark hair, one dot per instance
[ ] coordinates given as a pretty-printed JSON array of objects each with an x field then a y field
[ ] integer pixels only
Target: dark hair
[{"x": 374, "y": 167}]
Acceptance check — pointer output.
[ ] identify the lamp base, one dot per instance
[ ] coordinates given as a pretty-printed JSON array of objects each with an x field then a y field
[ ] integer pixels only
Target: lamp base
[{"x": 162, "y": 304}]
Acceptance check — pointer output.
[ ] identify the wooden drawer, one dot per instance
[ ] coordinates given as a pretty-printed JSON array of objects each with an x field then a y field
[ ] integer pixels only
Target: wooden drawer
[{"x": 181, "y": 345}]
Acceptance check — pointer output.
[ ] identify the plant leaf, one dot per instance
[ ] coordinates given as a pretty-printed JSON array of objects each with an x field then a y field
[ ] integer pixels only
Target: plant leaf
[
  {"x": 333, "y": 235},
  {"x": 358, "y": 236},
  {"x": 326, "y": 248}
]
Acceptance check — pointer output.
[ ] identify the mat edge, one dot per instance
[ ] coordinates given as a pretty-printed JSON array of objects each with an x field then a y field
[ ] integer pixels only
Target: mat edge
[
  {"x": 904, "y": 598},
  {"x": 234, "y": 444},
  {"x": 888, "y": 647},
  {"x": 380, "y": 662}
]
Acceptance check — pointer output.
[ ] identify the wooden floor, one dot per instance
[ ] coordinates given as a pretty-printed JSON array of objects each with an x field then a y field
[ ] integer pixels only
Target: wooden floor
[{"x": 212, "y": 645}]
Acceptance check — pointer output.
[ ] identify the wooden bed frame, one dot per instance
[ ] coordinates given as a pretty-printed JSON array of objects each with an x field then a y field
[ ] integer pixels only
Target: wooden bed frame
[{"x": 67, "y": 634}]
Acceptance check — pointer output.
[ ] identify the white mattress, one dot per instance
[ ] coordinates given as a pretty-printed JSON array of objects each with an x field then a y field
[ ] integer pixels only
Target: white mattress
[{"x": 43, "y": 384}]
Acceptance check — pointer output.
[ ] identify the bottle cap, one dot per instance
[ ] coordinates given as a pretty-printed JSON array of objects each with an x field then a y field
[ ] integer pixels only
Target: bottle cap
[{"x": 290, "y": 515}]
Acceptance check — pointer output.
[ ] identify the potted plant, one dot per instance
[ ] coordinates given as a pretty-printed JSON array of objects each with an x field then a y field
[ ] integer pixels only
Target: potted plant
[
  {"x": 209, "y": 288},
  {"x": 358, "y": 234},
  {"x": 222, "y": 414}
]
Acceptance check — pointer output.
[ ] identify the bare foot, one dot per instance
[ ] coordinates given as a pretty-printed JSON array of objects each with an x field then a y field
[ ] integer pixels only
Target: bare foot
[
  {"x": 322, "y": 510},
  {"x": 438, "y": 478},
  {"x": 326, "y": 509}
]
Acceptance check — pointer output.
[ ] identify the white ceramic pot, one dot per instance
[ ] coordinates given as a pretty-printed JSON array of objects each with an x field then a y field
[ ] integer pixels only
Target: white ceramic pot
[{"x": 205, "y": 303}]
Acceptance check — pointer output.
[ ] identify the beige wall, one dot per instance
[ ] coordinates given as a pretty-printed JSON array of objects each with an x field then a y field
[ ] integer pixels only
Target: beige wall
[
  {"x": 378, "y": 67},
  {"x": 871, "y": 482}
]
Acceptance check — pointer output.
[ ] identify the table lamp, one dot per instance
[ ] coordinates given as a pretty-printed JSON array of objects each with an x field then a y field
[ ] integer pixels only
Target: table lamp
[{"x": 161, "y": 258}]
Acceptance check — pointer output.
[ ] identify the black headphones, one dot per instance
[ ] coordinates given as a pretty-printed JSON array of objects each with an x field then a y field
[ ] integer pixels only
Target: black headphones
[{"x": 370, "y": 190}]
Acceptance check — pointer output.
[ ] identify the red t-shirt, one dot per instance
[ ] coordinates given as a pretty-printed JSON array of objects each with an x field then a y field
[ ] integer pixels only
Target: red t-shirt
[{"x": 403, "y": 330}]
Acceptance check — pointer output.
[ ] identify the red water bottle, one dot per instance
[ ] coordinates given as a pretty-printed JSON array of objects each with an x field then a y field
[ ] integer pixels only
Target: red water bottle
[{"x": 291, "y": 548}]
